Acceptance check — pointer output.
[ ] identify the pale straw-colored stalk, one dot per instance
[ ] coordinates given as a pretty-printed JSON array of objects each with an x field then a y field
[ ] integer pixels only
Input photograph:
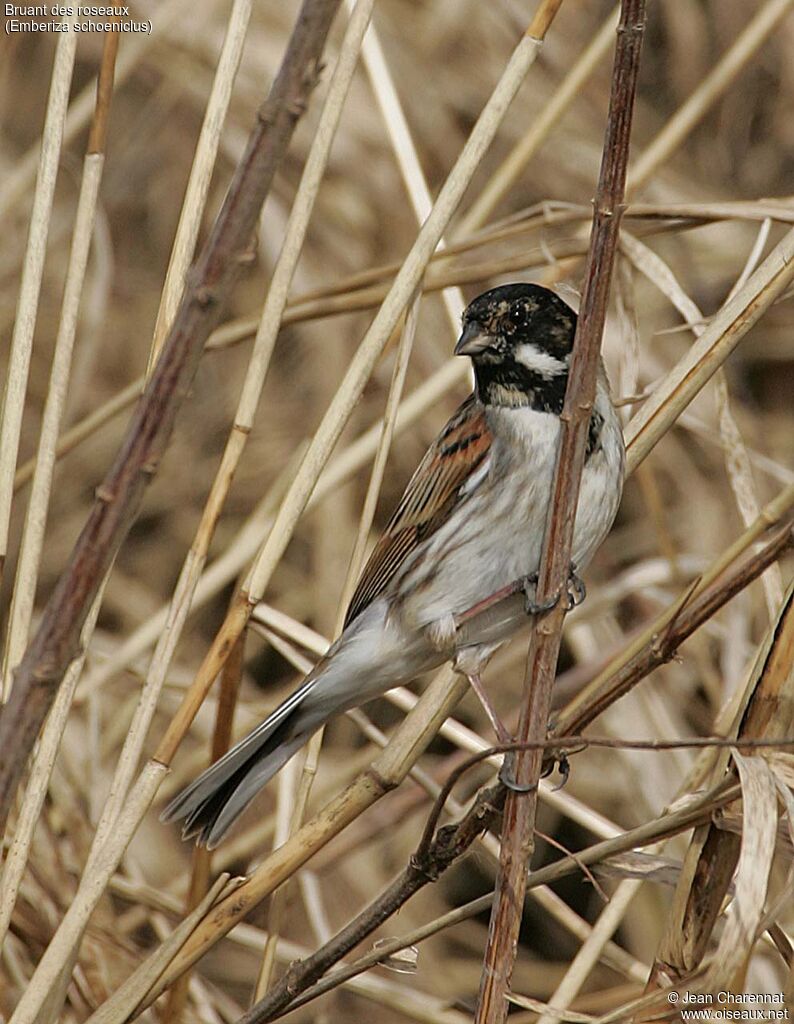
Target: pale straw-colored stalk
[
  {"x": 194, "y": 203},
  {"x": 713, "y": 86},
  {"x": 30, "y": 284},
  {"x": 393, "y": 400},
  {"x": 712, "y": 348},
  {"x": 38, "y": 782},
  {"x": 607, "y": 951},
  {"x": 290, "y": 805},
  {"x": 592, "y": 948},
  {"x": 36, "y": 516},
  {"x": 309, "y": 771},
  {"x": 402, "y": 143},
  {"x": 182, "y": 252},
  {"x": 506, "y": 175},
  {"x": 195, "y": 197},
  {"x": 737, "y": 457}
]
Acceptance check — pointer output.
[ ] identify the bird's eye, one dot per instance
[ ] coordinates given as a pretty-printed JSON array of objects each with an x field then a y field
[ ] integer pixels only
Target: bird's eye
[{"x": 517, "y": 317}]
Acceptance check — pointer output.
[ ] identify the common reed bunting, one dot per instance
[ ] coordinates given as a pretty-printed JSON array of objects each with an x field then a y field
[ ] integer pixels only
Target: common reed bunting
[{"x": 470, "y": 523}]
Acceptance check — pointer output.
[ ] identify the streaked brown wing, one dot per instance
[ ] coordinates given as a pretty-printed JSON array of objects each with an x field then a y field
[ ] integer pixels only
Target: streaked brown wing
[{"x": 429, "y": 498}]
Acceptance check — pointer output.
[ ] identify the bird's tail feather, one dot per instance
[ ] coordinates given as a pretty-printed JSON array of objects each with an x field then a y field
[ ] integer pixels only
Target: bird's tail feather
[{"x": 214, "y": 800}]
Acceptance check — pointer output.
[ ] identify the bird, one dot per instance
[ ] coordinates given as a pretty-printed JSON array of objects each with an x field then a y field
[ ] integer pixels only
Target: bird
[{"x": 470, "y": 524}]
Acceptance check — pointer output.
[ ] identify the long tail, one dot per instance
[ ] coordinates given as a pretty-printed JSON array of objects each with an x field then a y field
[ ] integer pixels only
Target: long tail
[
  {"x": 366, "y": 660},
  {"x": 214, "y": 800}
]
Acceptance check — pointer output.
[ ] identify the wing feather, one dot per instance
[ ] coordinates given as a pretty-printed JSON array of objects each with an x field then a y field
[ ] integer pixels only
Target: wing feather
[{"x": 429, "y": 499}]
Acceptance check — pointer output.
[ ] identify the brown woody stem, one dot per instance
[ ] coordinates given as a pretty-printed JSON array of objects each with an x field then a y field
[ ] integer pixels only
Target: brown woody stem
[{"x": 520, "y": 806}]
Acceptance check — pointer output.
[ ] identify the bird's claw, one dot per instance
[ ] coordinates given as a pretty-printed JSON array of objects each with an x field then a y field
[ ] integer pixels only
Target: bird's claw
[
  {"x": 556, "y": 759},
  {"x": 576, "y": 591},
  {"x": 509, "y": 781},
  {"x": 529, "y": 585},
  {"x": 564, "y": 768}
]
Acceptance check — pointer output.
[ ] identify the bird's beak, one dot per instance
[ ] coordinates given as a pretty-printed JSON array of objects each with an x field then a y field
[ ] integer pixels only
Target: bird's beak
[{"x": 473, "y": 341}]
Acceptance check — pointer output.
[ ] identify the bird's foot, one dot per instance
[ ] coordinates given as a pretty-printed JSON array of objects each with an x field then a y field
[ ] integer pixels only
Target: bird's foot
[
  {"x": 560, "y": 760},
  {"x": 575, "y": 593},
  {"x": 529, "y": 584},
  {"x": 509, "y": 781}
]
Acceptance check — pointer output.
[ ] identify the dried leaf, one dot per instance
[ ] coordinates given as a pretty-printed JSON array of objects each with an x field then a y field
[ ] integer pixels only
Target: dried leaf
[
  {"x": 404, "y": 961},
  {"x": 651, "y": 868},
  {"x": 759, "y": 798}
]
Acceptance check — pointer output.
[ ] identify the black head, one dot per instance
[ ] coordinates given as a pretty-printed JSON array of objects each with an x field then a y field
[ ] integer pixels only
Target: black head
[{"x": 519, "y": 338}]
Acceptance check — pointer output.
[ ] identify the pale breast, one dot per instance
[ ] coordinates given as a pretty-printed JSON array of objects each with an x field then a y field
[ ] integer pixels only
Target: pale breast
[{"x": 494, "y": 536}]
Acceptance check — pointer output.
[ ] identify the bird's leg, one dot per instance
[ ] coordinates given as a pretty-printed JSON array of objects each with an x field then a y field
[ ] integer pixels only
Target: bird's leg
[
  {"x": 488, "y": 602},
  {"x": 441, "y": 634},
  {"x": 475, "y": 681},
  {"x": 524, "y": 585}
]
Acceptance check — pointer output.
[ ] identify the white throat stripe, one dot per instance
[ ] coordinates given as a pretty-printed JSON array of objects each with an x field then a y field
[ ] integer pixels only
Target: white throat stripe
[{"x": 539, "y": 362}]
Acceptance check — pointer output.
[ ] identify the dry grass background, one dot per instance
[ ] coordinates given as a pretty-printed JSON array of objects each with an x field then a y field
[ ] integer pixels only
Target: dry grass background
[{"x": 729, "y": 455}]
